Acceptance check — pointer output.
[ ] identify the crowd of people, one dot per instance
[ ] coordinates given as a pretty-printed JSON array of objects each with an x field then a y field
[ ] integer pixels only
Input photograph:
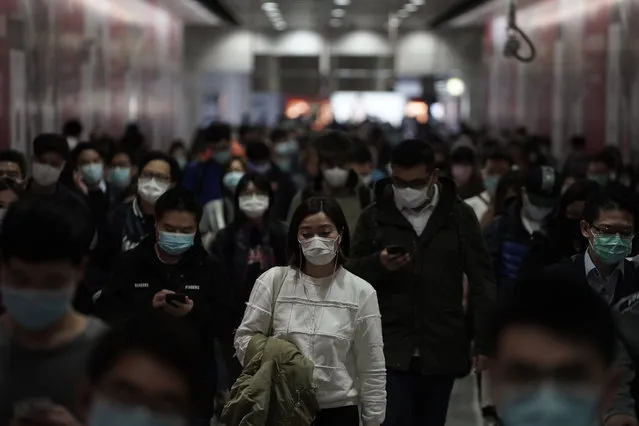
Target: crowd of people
[{"x": 335, "y": 278}]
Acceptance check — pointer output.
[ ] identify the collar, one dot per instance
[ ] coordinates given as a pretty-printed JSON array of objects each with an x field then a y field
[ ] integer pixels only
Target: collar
[
  {"x": 103, "y": 186},
  {"x": 136, "y": 208},
  {"x": 590, "y": 265}
]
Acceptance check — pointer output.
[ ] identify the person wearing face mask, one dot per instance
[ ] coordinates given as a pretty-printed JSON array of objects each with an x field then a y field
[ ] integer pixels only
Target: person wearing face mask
[
  {"x": 601, "y": 169},
  {"x": 496, "y": 164},
  {"x": 414, "y": 245},
  {"x": 465, "y": 173},
  {"x": 285, "y": 151},
  {"x": 143, "y": 374},
  {"x": 511, "y": 235},
  {"x": 121, "y": 175},
  {"x": 336, "y": 178},
  {"x": 179, "y": 153},
  {"x": 328, "y": 313},
  {"x": 554, "y": 347},
  {"x": 89, "y": 178},
  {"x": 172, "y": 274},
  {"x": 13, "y": 165},
  {"x": 129, "y": 223},
  {"x": 212, "y": 151},
  {"x": 44, "y": 341},
  {"x": 254, "y": 242}
]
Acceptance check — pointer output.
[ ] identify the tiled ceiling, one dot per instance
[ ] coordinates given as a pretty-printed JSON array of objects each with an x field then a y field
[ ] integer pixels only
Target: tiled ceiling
[{"x": 360, "y": 14}]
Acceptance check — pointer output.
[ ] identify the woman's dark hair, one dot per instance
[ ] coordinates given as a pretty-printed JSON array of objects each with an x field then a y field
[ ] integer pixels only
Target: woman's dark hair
[
  {"x": 177, "y": 144},
  {"x": 330, "y": 208},
  {"x": 514, "y": 179},
  {"x": 262, "y": 184}
]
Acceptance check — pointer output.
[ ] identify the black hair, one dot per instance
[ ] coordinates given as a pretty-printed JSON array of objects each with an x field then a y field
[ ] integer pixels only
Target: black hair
[
  {"x": 133, "y": 158},
  {"x": 578, "y": 142},
  {"x": 498, "y": 154},
  {"x": 177, "y": 144},
  {"x": 314, "y": 205},
  {"x": 41, "y": 229},
  {"x": 257, "y": 150},
  {"x": 159, "y": 155},
  {"x": 133, "y": 139},
  {"x": 262, "y": 184},
  {"x": 72, "y": 128},
  {"x": 463, "y": 155},
  {"x": 80, "y": 148},
  {"x": 13, "y": 156},
  {"x": 513, "y": 179},
  {"x": 413, "y": 152},
  {"x": 361, "y": 154},
  {"x": 51, "y": 142},
  {"x": 216, "y": 132},
  {"x": 604, "y": 158},
  {"x": 169, "y": 342},
  {"x": 178, "y": 199},
  {"x": 613, "y": 197},
  {"x": 574, "y": 313},
  {"x": 105, "y": 145},
  {"x": 278, "y": 135},
  {"x": 333, "y": 146}
]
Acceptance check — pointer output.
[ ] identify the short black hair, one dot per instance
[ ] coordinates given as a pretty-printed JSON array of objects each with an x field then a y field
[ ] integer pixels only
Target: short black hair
[
  {"x": 133, "y": 157},
  {"x": 262, "y": 184},
  {"x": 80, "y": 148},
  {"x": 178, "y": 199},
  {"x": 463, "y": 155},
  {"x": 175, "y": 145},
  {"x": 496, "y": 153},
  {"x": 314, "y": 205},
  {"x": 13, "y": 156},
  {"x": 257, "y": 150},
  {"x": 133, "y": 138},
  {"x": 159, "y": 155},
  {"x": 413, "y": 152},
  {"x": 45, "y": 228},
  {"x": 613, "y": 197},
  {"x": 216, "y": 132},
  {"x": 167, "y": 341},
  {"x": 333, "y": 146},
  {"x": 604, "y": 158},
  {"x": 361, "y": 154},
  {"x": 72, "y": 127},
  {"x": 278, "y": 134},
  {"x": 574, "y": 312},
  {"x": 51, "y": 142}
]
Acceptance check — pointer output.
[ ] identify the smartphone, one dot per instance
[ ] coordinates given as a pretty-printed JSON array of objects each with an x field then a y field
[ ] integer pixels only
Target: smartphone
[
  {"x": 396, "y": 250},
  {"x": 175, "y": 297}
]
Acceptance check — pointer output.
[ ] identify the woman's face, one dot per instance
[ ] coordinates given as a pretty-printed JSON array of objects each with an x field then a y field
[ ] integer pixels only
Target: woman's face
[
  {"x": 318, "y": 224},
  {"x": 237, "y": 166}
]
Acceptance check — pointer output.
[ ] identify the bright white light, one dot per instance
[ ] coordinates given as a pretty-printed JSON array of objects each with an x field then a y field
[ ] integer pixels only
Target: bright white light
[
  {"x": 342, "y": 3},
  {"x": 393, "y": 22},
  {"x": 437, "y": 111},
  {"x": 269, "y": 6},
  {"x": 410, "y": 8},
  {"x": 455, "y": 87},
  {"x": 272, "y": 13},
  {"x": 338, "y": 13},
  {"x": 402, "y": 14},
  {"x": 417, "y": 2},
  {"x": 336, "y": 23},
  {"x": 280, "y": 26}
]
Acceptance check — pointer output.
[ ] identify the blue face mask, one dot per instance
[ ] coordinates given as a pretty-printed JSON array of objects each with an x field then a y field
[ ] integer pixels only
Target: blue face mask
[
  {"x": 106, "y": 413},
  {"x": 92, "y": 173},
  {"x": 181, "y": 162},
  {"x": 231, "y": 179},
  {"x": 611, "y": 249},
  {"x": 37, "y": 309},
  {"x": 175, "y": 244},
  {"x": 549, "y": 406},
  {"x": 120, "y": 177},
  {"x": 490, "y": 183},
  {"x": 285, "y": 164},
  {"x": 286, "y": 148},
  {"x": 601, "y": 178},
  {"x": 222, "y": 157}
]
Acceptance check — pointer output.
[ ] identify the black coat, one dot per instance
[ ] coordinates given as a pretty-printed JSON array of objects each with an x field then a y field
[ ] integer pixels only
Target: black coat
[{"x": 421, "y": 304}]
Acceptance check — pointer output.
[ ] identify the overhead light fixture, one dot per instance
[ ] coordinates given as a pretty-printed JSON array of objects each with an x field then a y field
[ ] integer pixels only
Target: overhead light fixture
[
  {"x": 455, "y": 87},
  {"x": 269, "y": 6},
  {"x": 417, "y": 2},
  {"x": 410, "y": 8},
  {"x": 342, "y": 3},
  {"x": 338, "y": 13},
  {"x": 393, "y": 22},
  {"x": 336, "y": 23},
  {"x": 402, "y": 14}
]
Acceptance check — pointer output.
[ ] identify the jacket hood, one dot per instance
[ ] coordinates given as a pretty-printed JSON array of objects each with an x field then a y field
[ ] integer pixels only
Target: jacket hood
[{"x": 447, "y": 192}]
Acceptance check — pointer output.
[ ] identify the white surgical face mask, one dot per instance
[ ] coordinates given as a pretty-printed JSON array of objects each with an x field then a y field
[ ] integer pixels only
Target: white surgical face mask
[
  {"x": 410, "y": 198},
  {"x": 45, "y": 175},
  {"x": 319, "y": 251},
  {"x": 150, "y": 189},
  {"x": 536, "y": 213},
  {"x": 336, "y": 177},
  {"x": 254, "y": 205}
]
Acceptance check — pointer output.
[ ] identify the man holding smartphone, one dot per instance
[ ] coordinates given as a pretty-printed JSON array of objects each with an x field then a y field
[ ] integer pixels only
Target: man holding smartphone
[{"x": 414, "y": 245}]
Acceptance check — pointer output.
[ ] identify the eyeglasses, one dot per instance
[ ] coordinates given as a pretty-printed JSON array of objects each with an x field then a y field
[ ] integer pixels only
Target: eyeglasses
[
  {"x": 158, "y": 177},
  {"x": 414, "y": 184},
  {"x": 610, "y": 231}
]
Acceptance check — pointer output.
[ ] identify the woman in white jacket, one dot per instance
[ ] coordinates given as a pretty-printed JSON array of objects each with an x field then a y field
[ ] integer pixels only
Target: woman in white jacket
[{"x": 331, "y": 315}]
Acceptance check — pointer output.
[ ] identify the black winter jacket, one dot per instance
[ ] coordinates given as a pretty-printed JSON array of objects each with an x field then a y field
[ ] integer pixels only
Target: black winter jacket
[{"x": 421, "y": 304}]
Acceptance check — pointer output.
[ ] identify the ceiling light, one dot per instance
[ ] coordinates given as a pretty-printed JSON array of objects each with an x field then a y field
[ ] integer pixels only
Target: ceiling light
[
  {"x": 417, "y": 2},
  {"x": 336, "y": 23},
  {"x": 402, "y": 14},
  {"x": 410, "y": 8},
  {"x": 269, "y": 6},
  {"x": 393, "y": 22},
  {"x": 342, "y": 3},
  {"x": 455, "y": 87},
  {"x": 280, "y": 26},
  {"x": 338, "y": 13}
]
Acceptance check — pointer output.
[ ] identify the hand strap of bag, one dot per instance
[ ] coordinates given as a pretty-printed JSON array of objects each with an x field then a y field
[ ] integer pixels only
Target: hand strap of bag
[{"x": 280, "y": 278}]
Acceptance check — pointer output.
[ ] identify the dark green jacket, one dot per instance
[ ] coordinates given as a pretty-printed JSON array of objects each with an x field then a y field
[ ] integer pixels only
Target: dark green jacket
[
  {"x": 421, "y": 304},
  {"x": 275, "y": 388}
]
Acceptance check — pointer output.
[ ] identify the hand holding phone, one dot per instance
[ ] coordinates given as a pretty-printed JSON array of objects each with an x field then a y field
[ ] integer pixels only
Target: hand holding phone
[
  {"x": 395, "y": 250},
  {"x": 175, "y": 298},
  {"x": 394, "y": 257}
]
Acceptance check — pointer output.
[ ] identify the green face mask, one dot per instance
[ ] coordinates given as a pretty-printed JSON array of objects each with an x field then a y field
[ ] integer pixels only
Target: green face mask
[{"x": 611, "y": 249}]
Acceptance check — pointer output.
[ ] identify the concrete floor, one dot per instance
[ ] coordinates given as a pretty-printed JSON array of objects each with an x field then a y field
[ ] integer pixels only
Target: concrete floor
[{"x": 464, "y": 409}]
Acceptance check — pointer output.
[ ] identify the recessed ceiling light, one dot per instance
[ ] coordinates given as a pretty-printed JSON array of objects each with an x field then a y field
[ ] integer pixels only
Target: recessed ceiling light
[
  {"x": 280, "y": 26},
  {"x": 269, "y": 6},
  {"x": 417, "y": 2},
  {"x": 410, "y": 8},
  {"x": 393, "y": 22},
  {"x": 342, "y": 3},
  {"x": 402, "y": 14},
  {"x": 338, "y": 13},
  {"x": 336, "y": 23}
]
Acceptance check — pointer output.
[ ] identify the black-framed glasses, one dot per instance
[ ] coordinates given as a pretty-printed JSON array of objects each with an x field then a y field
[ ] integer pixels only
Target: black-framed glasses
[
  {"x": 610, "y": 231},
  {"x": 414, "y": 184}
]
